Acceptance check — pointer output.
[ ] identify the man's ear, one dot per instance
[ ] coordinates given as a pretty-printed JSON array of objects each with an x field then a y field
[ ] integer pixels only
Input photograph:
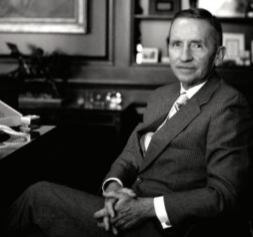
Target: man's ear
[{"x": 220, "y": 54}]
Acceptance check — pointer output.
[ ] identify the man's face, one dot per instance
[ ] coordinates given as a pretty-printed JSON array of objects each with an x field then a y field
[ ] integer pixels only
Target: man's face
[{"x": 192, "y": 50}]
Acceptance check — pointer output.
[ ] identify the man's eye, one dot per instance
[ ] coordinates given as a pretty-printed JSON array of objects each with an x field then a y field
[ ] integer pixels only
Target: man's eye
[
  {"x": 196, "y": 45},
  {"x": 176, "y": 44}
]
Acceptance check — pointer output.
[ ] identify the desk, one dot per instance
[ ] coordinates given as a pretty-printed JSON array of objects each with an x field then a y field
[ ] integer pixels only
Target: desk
[
  {"x": 21, "y": 166},
  {"x": 35, "y": 133}
]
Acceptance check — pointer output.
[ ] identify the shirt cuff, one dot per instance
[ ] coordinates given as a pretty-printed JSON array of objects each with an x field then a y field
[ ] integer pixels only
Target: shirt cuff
[
  {"x": 161, "y": 212},
  {"x": 111, "y": 179}
]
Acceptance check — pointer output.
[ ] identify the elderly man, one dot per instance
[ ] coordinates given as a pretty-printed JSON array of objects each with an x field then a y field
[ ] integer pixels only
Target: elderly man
[{"x": 184, "y": 170}]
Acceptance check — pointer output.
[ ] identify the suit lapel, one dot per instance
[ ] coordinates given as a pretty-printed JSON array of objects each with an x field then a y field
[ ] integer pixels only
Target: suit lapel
[{"x": 179, "y": 121}]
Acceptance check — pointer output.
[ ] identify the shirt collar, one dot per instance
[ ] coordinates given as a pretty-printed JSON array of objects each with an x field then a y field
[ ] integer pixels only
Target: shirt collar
[{"x": 192, "y": 91}]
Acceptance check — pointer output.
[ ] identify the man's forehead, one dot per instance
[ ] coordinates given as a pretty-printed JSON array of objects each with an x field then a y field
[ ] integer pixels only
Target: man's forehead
[
  {"x": 194, "y": 22},
  {"x": 190, "y": 27}
]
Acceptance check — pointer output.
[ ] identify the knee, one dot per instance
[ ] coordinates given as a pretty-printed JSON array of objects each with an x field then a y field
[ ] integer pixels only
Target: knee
[
  {"x": 39, "y": 191},
  {"x": 39, "y": 186}
]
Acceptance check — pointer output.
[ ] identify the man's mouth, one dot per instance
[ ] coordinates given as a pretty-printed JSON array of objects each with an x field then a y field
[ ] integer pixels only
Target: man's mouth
[{"x": 186, "y": 68}]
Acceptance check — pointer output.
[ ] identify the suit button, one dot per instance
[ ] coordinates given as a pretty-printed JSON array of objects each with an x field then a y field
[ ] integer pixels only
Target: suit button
[{"x": 139, "y": 180}]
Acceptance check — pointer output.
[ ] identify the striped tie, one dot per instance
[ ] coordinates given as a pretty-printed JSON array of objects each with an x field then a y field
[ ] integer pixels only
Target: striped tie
[
  {"x": 182, "y": 100},
  {"x": 146, "y": 138}
]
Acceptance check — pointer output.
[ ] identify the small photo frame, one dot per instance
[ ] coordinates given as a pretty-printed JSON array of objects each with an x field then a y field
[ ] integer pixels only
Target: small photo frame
[
  {"x": 164, "y": 7},
  {"x": 235, "y": 44},
  {"x": 149, "y": 55}
]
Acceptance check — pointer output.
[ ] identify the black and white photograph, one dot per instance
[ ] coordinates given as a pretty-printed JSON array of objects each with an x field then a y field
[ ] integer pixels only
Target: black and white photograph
[{"x": 126, "y": 118}]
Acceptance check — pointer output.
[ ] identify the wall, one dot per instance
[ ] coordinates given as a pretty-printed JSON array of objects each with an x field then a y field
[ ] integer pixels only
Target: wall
[{"x": 106, "y": 61}]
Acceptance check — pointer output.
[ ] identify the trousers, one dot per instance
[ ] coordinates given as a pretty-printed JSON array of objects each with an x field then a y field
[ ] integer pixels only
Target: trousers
[{"x": 50, "y": 210}]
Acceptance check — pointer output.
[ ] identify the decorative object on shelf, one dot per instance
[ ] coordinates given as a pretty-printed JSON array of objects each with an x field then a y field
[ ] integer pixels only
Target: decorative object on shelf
[
  {"x": 56, "y": 16},
  {"x": 144, "y": 6},
  {"x": 245, "y": 57},
  {"x": 249, "y": 9},
  {"x": 193, "y": 3},
  {"x": 139, "y": 53},
  {"x": 224, "y": 8},
  {"x": 149, "y": 55},
  {"x": 164, "y": 7},
  {"x": 39, "y": 65},
  {"x": 235, "y": 44},
  {"x": 114, "y": 99}
]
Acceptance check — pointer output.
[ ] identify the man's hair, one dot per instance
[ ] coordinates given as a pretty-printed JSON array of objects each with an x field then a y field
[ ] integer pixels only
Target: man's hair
[{"x": 201, "y": 14}]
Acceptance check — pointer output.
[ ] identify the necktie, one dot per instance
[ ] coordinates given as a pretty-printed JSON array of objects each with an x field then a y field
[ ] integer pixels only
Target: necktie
[{"x": 181, "y": 100}]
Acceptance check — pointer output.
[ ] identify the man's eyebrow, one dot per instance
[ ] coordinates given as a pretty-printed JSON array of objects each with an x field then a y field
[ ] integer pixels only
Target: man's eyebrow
[
  {"x": 197, "y": 41},
  {"x": 175, "y": 40}
]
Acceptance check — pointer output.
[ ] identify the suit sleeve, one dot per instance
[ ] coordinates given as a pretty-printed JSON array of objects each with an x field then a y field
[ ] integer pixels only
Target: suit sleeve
[
  {"x": 125, "y": 167},
  {"x": 228, "y": 162}
]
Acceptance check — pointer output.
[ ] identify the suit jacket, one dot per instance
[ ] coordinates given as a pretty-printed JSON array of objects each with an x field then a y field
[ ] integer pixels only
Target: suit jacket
[{"x": 198, "y": 160}]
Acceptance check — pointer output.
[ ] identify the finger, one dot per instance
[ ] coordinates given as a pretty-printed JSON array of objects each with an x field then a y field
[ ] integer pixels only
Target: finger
[
  {"x": 120, "y": 224},
  {"x": 109, "y": 205},
  {"x": 116, "y": 195},
  {"x": 114, "y": 230},
  {"x": 100, "y": 214},
  {"x": 101, "y": 225},
  {"x": 128, "y": 191},
  {"x": 106, "y": 222}
]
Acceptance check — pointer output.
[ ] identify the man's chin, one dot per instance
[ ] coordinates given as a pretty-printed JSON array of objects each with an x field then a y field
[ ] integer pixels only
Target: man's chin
[{"x": 185, "y": 79}]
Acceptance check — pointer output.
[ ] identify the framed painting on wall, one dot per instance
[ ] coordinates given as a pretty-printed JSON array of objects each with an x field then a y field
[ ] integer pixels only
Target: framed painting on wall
[{"x": 52, "y": 16}]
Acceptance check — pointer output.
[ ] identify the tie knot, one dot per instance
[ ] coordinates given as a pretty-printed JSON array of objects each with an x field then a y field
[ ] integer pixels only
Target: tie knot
[{"x": 182, "y": 99}]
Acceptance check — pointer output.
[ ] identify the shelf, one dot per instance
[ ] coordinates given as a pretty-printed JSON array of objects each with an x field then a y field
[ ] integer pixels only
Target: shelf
[
  {"x": 159, "y": 64},
  {"x": 222, "y": 19},
  {"x": 241, "y": 20},
  {"x": 152, "y": 17}
]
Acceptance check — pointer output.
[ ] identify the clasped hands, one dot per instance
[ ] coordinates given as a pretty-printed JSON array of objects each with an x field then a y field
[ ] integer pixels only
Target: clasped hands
[{"x": 123, "y": 210}]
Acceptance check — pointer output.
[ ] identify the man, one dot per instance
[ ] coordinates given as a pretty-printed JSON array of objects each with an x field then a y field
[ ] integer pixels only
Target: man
[{"x": 184, "y": 170}]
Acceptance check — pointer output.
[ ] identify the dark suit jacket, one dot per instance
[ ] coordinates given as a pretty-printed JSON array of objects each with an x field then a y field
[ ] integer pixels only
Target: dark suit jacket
[{"x": 198, "y": 160}]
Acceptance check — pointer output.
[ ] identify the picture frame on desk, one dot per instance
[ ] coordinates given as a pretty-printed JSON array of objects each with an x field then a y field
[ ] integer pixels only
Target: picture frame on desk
[
  {"x": 164, "y": 7},
  {"x": 33, "y": 16},
  {"x": 149, "y": 55}
]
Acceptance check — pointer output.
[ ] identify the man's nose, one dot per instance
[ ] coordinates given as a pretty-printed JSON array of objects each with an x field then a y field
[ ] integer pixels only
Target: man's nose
[{"x": 186, "y": 54}]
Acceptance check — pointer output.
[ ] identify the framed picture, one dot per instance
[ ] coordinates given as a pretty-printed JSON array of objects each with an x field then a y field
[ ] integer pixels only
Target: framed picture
[
  {"x": 164, "y": 7},
  {"x": 149, "y": 55},
  {"x": 56, "y": 16},
  {"x": 235, "y": 45},
  {"x": 224, "y": 8}
]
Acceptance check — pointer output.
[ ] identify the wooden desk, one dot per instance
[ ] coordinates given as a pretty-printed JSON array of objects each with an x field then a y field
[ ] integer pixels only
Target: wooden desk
[
  {"x": 21, "y": 166},
  {"x": 6, "y": 151}
]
